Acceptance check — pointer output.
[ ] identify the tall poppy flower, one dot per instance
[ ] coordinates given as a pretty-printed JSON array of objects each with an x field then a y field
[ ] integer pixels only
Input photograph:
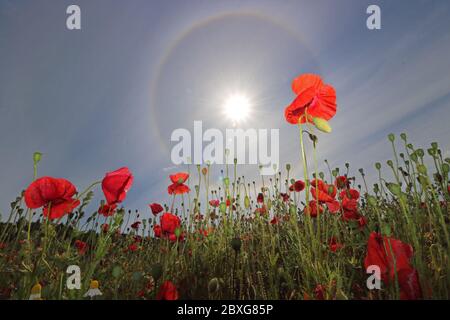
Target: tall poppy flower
[
  {"x": 325, "y": 193},
  {"x": 157, "y": 230},
  {"x": 342, "y": 182},
  {"x": 169, "y": 223},
  {"x": 313, "y": 97},
  {"x": 297, "y": 186},
  {"x": 167, "y": 291},
  {"x": 260, "y": 198},
  {"x": 81, "y": 247},
  {"x": 156, "y": 208},
  {"x": 178, "y": 186},
  {"x": 116, "y": 184},
  {"x": 107, "y": 210},
  {"x": 214, "y": 203},
  {"x": 135, "y": 225},
  {"x": 393, "y": 257},
  {"x": 53, "y": 194},
  {"x": 313, "y": 209},
  {"x": 334, "y": 245}
]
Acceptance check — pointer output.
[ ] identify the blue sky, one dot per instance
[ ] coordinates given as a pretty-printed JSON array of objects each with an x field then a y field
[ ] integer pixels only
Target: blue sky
[{"x": 110, "y": 94}]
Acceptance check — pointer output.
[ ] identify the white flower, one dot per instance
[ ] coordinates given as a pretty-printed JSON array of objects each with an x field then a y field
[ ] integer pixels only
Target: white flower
[
  {"x": 36, "y": 292},
  {"x": 93, "y": 290}
]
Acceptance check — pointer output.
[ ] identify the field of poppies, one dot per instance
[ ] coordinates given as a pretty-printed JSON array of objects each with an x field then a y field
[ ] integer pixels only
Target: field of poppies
[{"x": 282, "y": 237}]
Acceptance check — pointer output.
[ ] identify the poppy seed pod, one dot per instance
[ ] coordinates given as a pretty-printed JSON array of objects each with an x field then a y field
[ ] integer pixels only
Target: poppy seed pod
[
  {"x": 403, "y": 136},
  {"x": 391, "y": 137}
]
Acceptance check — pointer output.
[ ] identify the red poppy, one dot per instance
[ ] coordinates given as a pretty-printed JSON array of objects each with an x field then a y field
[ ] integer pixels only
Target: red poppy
[
  {"x": 81, "y": 246},
  {"x": 313, "y": 209},
  {"x": 156, "y": 208},
  {"x": 362, "y": 221},
  {"x": 51, "y": 193},
  {"x": 214, "y": 203},
  {"x": 133, "y": 247},
  {"x": 173, "y": 237},
  {"x": 107, "y": 210},
  {"x": 2, "y": 245},
  {"x": 116, "y": 184},
  {"x": 298, "y": 186},
  {"x": 313, "y": 97},
  {"x": 350, "y": 205},
  {"x": 448, "y": 188},
  {"x": 260, "y": 198},
  {"x": 285, "y": 197},
  {"x": 178, "y": 186},
  {"x": 135, "y": 225},
  {"x": 105, "y": 227},
  {"x": 409, "y": 284},
  {"x": 275, "y": 220},
  {"x": 350, "y": 194},
  {"x": 167, "y": 291},
  {"x": 342, "y": 182},
  {"x": 169, "y": 223},
  {"x": 325, "y": 193},
  {"x": 261, "y": 211},
  {"x": 393, "y": 257},
  {"x": 319, "y": 292},
  {"x": 157, "y": 230},
  {"x": 334, "y": 245}
]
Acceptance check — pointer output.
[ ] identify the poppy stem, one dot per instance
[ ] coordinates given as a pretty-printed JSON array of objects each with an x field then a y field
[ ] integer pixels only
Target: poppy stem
[
  {"x": 79, "y": 196},
  {"x": 305, "y": 165}
]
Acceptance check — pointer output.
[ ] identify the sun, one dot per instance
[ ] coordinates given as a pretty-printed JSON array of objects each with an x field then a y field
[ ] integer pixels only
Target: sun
[{"x": 237, "y": 108}]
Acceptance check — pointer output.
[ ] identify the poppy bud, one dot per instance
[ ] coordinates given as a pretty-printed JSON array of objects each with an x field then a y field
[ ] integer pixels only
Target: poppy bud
[
  {"x": 37, "y": 157},
  {"x": 288, "y": 167},
  {"x": 246, "y": 202},
  {"x": 117, "y": 271},
  {"x": 236, "y": 244},
  {"x": 431, "y": 152},
  {"x": 213, "y": 285},
  {"x": 422, "y": 169},
  {"x": 322, "y": 124},
  {"x": 434, "y": 145},
  {"x": 223, "y": 207},
  {"x": 420, "y": 153},
  {"x": 292, "y": 209},
  {"x": 226, "y": 182},
  {"x": 390, "y": 163},
  {"x": 394, "y": 188},
  {"x": 445, "y": 168},
  {"x": 156, "y": 271},
  {"x": 378, "y": 166},
  {"x": 372, "y": 200}
]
